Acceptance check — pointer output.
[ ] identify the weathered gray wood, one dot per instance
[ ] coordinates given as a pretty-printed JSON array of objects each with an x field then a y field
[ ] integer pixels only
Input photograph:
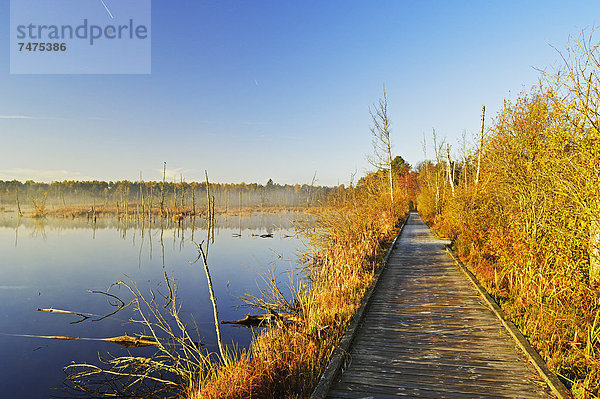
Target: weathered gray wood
[
  {"x": 536, "y": 360},
  {"x": 340, "y": 352},
  {"x": 427, "y": 333}
]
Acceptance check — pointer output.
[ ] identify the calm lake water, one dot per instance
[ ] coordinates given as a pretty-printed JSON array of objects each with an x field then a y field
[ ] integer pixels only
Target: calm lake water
[{"x": 54, "y": 264}]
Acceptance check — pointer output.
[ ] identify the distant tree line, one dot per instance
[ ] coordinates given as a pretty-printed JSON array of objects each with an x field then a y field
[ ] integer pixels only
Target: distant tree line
[{"x": 156, "y": 194}]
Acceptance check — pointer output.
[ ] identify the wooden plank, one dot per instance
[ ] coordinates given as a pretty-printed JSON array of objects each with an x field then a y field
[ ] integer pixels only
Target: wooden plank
[
  {"x": 417, "y": 390},
  {"x": 469, "y": 373},
  {"x": 452, "y": 364},
  {"x": 506, "y": 370},
  {"x": 558, "y": 388},
  {"x": 355, "y": 394},
  {"x": 415, "y": 345},
  {"x": 339, "y": 354},
  {"x": 426, "y": 333},
  {"x": 420, "y": 377}
]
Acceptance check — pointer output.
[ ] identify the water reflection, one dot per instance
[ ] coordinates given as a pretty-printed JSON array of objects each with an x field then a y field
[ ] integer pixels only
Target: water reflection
[
  {"x": 255, "y": 221},
  {"x": 63, "y": 264}
]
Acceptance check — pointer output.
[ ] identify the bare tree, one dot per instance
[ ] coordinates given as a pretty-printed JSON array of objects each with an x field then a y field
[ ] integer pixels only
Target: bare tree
[
  {"x": 424, "y": 144},
  {"x": 580, "y": 81},
  {"x": 310, "y": 189},
  {"x": 480, "y": 148},
  {"x": 449, "y": 169},
  {"x": 439, "y": 178},
  {"x": 464, "y": 149},
  {"x": 382, "y": 146}
]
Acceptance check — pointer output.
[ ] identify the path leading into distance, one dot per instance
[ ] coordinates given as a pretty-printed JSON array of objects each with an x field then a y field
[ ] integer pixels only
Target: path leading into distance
[{"x": 428, "y": 333}]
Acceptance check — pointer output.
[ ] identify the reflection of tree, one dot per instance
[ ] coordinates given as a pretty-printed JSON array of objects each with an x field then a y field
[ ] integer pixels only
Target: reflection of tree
[
  {"x": 17, "y": 230},
  {"x": 39, "y": 228}
]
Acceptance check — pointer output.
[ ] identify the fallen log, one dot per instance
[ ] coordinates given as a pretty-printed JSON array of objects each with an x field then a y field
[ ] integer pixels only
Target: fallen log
[
  {"x": 260, "y": 320},
  {"x": 124, "y": 340},
  {"x": 129, "y": 341}
]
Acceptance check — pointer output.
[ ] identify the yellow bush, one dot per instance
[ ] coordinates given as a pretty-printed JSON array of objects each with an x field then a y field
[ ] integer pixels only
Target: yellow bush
[{"x": 528, "y": 229}]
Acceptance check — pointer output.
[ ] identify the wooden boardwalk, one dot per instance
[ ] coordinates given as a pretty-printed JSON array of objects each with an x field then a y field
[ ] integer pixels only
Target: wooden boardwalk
[{"x": 427, "y": 333}]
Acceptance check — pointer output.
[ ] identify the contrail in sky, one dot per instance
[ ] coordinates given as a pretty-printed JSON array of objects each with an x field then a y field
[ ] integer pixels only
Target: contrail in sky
[{"x": 107, "y": 10}]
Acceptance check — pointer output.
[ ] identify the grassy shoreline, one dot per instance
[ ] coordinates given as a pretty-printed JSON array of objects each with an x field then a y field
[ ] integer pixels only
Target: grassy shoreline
[
  {"x": 100, "y": 211},
  {"x": 348, "y": 243}
]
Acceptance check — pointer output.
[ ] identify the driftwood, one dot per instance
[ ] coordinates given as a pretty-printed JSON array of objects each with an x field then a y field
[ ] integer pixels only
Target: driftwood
[
  {"x": 269, "y": 235},
  {"x": 261, "y": 320},
  {"x": 86, "y": 316},
  {"x": 129, "y": 341},
  {"x": 60, "y": 337},
  {"x": 124, "y": 340}
]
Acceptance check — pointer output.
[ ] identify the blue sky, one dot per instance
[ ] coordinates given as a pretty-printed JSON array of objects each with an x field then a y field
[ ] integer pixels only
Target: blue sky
[{"x": 252, "y": 90}]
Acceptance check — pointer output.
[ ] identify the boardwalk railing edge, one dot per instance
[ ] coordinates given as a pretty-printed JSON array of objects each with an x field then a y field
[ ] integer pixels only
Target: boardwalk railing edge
[
  {"x": 557, "y": 387},
  {"x": 341, "y": 350}
]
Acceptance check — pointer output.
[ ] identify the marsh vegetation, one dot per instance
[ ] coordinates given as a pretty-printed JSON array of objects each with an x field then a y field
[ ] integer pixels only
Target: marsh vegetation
[{"x": 521, "y": 207}]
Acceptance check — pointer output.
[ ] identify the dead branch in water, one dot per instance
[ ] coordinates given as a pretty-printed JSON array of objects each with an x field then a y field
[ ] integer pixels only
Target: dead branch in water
[
  {"x": 120, "y": 305},
  {"x": 177, "y": 362},
  {"x": 84, "y": 316},
  {"x": 272, "y": 300},
  {"x": 262, "y": 320},
  {"x": 213, "y": 299},
  {"x": 128, "y": 341},
  {"x": 123, "y": 340},
  {"x": 267, "y": 235}
]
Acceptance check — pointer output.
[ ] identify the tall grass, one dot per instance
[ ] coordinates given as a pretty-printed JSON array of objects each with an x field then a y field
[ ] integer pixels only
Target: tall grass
[{"x": 347, "y": 244}]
